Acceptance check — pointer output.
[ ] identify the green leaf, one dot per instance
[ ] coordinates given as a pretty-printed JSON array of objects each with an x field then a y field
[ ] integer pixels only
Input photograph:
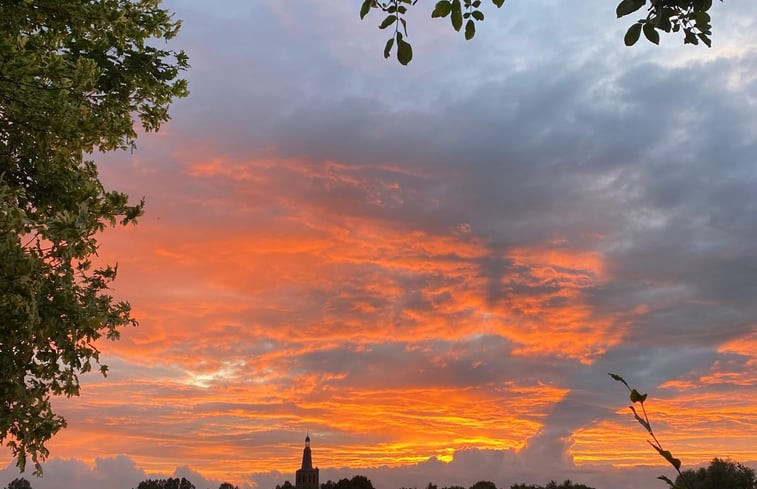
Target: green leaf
[
  {"x": 498, "y": 3},
  {"x": 478, "y": 15},
  {"x": 389, "y": 20},
  {"x": 388, "y": 47},
  {"x": 651, "y": 33},
  {"x": 705, "y": 39},
  {"x": 442, "y": 9},
  {"x": 404, "y": 50},
  {"x": 632, "y": 35},
  {"x": 470, "y": 30},
  {"x": 636, "y": 397},
  {"x": 365, "y": 8},
  {"x": 457, "y": 15},
  {"x": 628, "y": 7}
]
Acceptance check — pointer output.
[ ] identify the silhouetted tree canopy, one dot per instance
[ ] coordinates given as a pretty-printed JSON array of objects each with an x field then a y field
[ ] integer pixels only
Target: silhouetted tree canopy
[
  {"x": 484, "y": 485},
  {"x": 357, "y": 482},
  {"x": 227, "y": 485},
  {"x": 720, "y": 474},
  {"x": 288, "y": 485},
  {"x": 19, "y": 484},
  {"x": 567, "y": 484},
  {"x": 170, "y": 483}
]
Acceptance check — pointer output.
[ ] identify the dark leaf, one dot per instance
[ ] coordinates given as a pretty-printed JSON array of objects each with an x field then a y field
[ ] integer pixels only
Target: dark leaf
[
  {"x": 628, "y": 7},
  {"x": 442, "y": 9},
  {"x": 389, "y": 20},
  {"x": 641, "y": 420},
  {"x": 404, "y": 50},
  {"x": 636, "y": 397},
  {"x": 365, "y": 8},
  {"x": 651, "y": 33},
  {"x": 470, "y": 30},
  {"x": 632, "y": 35},
  {"x": 618, "y": 377},
  {"x": 388, "y": 47},
  {"x": 457, "y": 15},
  {"x": 666, "y": 479}
]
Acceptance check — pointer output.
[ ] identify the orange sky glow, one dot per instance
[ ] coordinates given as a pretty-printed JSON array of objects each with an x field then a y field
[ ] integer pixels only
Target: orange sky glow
[{"x": 430, "y": 269}]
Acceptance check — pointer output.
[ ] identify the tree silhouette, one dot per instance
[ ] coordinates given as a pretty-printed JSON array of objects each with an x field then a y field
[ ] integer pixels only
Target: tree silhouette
[
  {"x": 720, "y": 474},
  {"x": 484, "y": 485},
  {"x": 19, "y": 484},
  {"x": 567, "y": 484},
  {"x": 170, "y": 483}
]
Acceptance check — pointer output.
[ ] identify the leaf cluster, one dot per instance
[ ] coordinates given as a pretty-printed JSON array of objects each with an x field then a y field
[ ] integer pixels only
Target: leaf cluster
[
  {"x": 691, "y": 17},
  {"x": 73, "y": 76},
  {"x": 459, "y": 11}
]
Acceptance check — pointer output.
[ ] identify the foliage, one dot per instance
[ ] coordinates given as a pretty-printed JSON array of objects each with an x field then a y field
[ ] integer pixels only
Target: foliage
[
  {"x": 688, "y": 16},
  {"x": 357, "y": 482},
  {"x": 637, "y": 398},
  {"x": 73, "y": 74},
  {"x": 719, "y": 474},
  {"x": 288, "y": 485},
  {"x": 567, "y": 484},
  {"x": 19, "y": 484},
  {"x": 170, "y": 483},
  {"x": 227, "y": 485},
  {"x": 484, "y": 485}
]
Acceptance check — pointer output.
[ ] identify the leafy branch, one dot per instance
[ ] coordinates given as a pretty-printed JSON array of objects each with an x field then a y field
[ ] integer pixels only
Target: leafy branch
[
  {"x": 688, "y": 16},
  {"x": 638, "y": 398}
]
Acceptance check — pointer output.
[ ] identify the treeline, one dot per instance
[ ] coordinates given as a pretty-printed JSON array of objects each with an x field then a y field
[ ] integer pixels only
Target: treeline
[
  {"x": 362, "y": 482},
  {"x": 720, "y": 474}
]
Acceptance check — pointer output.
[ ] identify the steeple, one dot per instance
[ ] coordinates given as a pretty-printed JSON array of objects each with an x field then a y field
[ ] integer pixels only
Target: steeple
[
  {"x": 307, "y": 476},
  {"x": 307, "y": 459}
]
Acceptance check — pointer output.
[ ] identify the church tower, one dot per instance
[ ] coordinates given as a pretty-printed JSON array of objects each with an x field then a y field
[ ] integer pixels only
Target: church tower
[{"x": 307, "y": 476}]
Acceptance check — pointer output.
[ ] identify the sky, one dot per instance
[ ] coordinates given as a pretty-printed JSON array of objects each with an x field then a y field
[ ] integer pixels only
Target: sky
[{"x": 431, "y": 269}]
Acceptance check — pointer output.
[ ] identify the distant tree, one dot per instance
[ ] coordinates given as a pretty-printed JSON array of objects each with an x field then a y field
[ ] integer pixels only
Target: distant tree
[
  {"x": 484, "y": 485},
  {"x": 170, "y": 483},
  {"x": 19, "y": 484},
  {"x": 361, "y": 482},
  {"x": 357, "y": 482},
  {"x": 720, "y": 474},
  {"x": 453, "y": 487},
  {"x": 552, "y": 485},
  {"x": 227, "y": 485},
  {"x": 329, "y": 484},
  {"x": 431, "y": 485}
]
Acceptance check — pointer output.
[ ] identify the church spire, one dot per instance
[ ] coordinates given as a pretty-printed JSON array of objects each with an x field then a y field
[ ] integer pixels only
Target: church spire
[
  {"x": 307, "y": 459},
  {"x": 307, "y": 477}
]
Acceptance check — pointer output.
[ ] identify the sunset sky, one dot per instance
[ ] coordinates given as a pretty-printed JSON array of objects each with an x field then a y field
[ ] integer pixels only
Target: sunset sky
[{"x": 431, "y": 269}]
